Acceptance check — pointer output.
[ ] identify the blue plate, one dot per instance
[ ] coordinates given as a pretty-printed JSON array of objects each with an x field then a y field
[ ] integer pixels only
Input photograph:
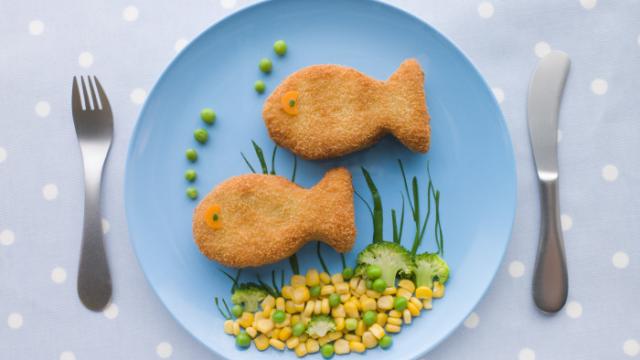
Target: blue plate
[{"x": 471, "y": 158}]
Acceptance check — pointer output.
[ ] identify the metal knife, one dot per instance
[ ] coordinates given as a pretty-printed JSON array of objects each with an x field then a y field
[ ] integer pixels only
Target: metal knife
[{"x": 550, "y": 280}]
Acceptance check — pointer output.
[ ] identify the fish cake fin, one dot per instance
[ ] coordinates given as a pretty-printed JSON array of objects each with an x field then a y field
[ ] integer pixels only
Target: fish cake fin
[
  {"x": 331, "y": 210},
  {"x": 408, "y": 118}
]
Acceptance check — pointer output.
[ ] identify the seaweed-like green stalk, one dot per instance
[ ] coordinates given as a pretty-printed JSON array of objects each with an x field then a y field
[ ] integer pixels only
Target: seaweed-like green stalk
[
  {"x": 343, "y": 260},
  {"x": 322, "y": 263},
  {"x": 227, "y": 315},
  {"x": 234, "y": 280},
  {"x": 377, "y": 207},
  {"x": 397, "y": 230},
  {"x": 273, "y": 160},
  {"x": 414, "y": 204}
]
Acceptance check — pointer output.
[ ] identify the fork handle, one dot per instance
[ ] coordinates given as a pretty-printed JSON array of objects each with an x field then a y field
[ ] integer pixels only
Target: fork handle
[
  {"x": 550, "y": 280},
  {"x": 94, "y": 278}
]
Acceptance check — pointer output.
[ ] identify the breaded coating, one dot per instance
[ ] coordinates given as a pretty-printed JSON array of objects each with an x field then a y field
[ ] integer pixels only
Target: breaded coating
[
  {"x": 255, "y": 219},
  {"x": 326, "y": 111}
]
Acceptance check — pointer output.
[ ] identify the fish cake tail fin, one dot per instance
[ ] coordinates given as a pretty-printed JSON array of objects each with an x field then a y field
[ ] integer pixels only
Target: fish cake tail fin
[
  {"x": 331, "y": 214},
  {"x": 408, "y": 117}
]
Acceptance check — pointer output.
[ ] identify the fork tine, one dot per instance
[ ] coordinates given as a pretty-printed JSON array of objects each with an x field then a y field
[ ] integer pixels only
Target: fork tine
[
  {"x": 85, "y": 93},
  {"x": 76, "y": 105},
  {"x": 103, "y": 97},
  {"x": 93, "y": 94}
]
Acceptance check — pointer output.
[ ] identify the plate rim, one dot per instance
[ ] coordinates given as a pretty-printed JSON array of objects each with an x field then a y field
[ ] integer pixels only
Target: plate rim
[{"x": 502, "y": 124}]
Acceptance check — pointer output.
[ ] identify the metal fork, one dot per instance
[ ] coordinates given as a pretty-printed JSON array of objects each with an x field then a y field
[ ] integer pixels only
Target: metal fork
[{"x": 94, "y": 127}]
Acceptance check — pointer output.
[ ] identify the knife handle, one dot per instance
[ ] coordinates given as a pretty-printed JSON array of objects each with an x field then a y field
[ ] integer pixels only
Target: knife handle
[{"x": 550, "y": 280}]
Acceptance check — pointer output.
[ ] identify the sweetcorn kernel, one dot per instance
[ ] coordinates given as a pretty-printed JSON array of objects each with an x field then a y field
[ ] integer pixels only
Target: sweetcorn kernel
[
  {"x": 339, "y": 323},
  {"x": 342, "y": 288},
  {"x": 285, "y": 333},
  {"x": 395, "y": 314},
  {"x": 382, "y": 318},
  {"x": 262, "y": 342},
  {"x": 438, "y": 289},
  {"x": 351, "y": 309},
  {"x": 407, "y": 285},
  {"x": 228, "y": 327},
  {"x": 326, "y": 309},
  {"x": 246, "y": 319},
  {"x": 360, "y": 328},
  {"x": 308, "y": 309},
  {"x": 251, "y": 331},
  {"x": 287, "y": 292},
  {"x": 317, "y": 307},
  {"x": 356, "y": 346},
  {"x": 325, "y": 278},
  {"x": 392, "y": 328},
  {"x": 300, "y": 294},
  {"x": 373, "y": 294},
  {"x": 299, "y": 307},
  {"x": 385, "y": 302},
  {"x": 289, "y": 307},
  {"x": 368, "y": 304},
  {"x": 280, "y": 303},
  {"x": 292, "y": 342},
  {"x": 298, "y": 280},
  {"x": 274, "y": 333},
  {"x": 389, "y": 291},
  {"x": 413, "y": 309},
  {"x": 236, "y": 327},
  {"x": 341, "y": 347},
  {"x": 313, "y": 278},
  {"x": 377, "y": 331},
  {"x": 276, "y": 344},
  {"x": 312, "y": 346},
  {"x": 338, "y": 311},
  {"x": 369, "y": 340},
  {"x": 415, "y": 301},
  {"x": 394, "y": 321},
  {"x": 424, "y": 292},
  {"x": 362, "y": 287},
  {"x": 327, "y": 290},
  {"x": 345, "y": 297},
  {"x": 406, "y": 316},
  {"x": 266, "y": 312},
  {"x": 352, "y": 337},
  {"x": 295, "y": 319},
  {"x": 337, "y": 278},
  {"x": 301, "y": 350},
  {"x": 404, "y": 293},
  {"x": 353, "y": 283},
  {"x": 269, "y": 301},
  {"x": 264, "y": 325},
  {"x": 426, "y": 304}
]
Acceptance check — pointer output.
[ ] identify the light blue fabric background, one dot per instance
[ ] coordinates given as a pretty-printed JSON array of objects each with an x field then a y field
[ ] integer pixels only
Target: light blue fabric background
[{"x": 128, "y": 43}]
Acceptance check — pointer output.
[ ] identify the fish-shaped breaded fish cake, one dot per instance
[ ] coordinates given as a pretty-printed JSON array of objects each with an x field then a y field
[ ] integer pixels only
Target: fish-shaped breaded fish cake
[
  {"x": 326, "y": 111},
  {"x": 255, "y": 219}
]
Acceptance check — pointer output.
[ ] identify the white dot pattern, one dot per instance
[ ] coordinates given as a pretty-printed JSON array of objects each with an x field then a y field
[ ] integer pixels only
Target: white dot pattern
[
  {"x": 36, "y": 27},
  {"x": 526, "y": 354},
  {"x": 599, "y": 86},
  {"x": 85, "y": 59},
  {"x": 58, "y": 275},
  {"x": 588, "y": 4},
  {"x": 566, "y": 222},
  {"x": 542, "y": 49},
  {"x": 50, "y": 192},
  {"x": 499, "y": 94},
  {"x": 15, "y": 321},
  {"x": 130, "y": 13},
  {"x": 111, "y": 312},
  {"x": 180, "y": 44},
  {"x": 516, "y": 269},
  {"x": 485, "y": 9},
  {"x": 138, "y": 96},
  {"x": 7, "y": 237},
  {"x": 574, "y": 309},
  {"x": 620, "y": 260},
  {"x": 472, "y": 321},
  {"x": 228, "y": 4},
  {"x": 631, "y": 347},
  {"x": 67, "y": 355},
  {"x": 164, "y": 350},
  {"x": 3, "y": 154},
  {"x": 610, "y": 172},
  {"x": 43, "y": 108}
]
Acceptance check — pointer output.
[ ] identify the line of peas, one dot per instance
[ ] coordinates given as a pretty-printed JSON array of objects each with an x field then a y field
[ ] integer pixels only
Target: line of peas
[{"x": 266, "y": 65}]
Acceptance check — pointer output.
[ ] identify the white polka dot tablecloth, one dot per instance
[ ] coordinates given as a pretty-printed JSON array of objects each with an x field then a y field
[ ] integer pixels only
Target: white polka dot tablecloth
[{"x": 127, "y": 44}]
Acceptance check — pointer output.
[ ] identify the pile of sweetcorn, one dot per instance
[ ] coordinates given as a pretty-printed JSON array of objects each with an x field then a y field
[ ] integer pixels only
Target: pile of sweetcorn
[{"x": 349, "y": 333}]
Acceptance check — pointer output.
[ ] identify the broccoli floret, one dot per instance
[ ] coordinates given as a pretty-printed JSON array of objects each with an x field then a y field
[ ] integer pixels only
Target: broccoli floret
[
  {"x": 430, "y": 267},
  {"x": 249, "y": 295},
  {"x": 320, "y": 325},
  {"x": 392, "y": 258}
]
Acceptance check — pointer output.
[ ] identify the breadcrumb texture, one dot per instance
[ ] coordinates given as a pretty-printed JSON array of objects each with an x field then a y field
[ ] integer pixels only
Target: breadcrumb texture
[
  {"x": 341, "y": 110},
  {"x": 267, "y": 218}
]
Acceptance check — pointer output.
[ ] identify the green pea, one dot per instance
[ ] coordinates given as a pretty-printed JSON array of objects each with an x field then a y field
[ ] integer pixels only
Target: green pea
[
  {"x": 379, "y": 285},
  {"x": 259, "y": 86},
  {"x": 386, "y": 342},
  {"x": 278, "y": 316},
  {"x": 190, "y": 175},
  {"x": 280, "y": 47},
  {"x": 334, "y": 300},
  {"x": 374, "y": 272},
  {"x": 265, "y": 65},
  {"x": 237, "y": 310},
  {"x": 192, "y": 193},
  {"x": 201, "y": 135},
  {"x": 243, "y": 340},
  {"x": 314, "y": 291},
  {"x": 369, "y": 318},
  {"x": 347, "y": 273},
  {"x": 208, "y": 115},
  {"x": 400, "y": 303},
  {"x": 351, "y": 324},
  {"x": 327, "y": 351},
  {"x": 298, "y": 329},
  {"x": 192, "y": 155}
]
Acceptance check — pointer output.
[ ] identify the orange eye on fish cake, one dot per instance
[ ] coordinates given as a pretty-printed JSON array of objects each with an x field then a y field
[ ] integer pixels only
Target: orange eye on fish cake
[
  {"x": 289, "y": 102},
  {"x": 213, "y": 218}
]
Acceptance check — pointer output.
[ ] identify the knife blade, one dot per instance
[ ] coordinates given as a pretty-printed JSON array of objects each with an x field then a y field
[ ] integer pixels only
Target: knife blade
[{"x": 550, "y": 280}]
